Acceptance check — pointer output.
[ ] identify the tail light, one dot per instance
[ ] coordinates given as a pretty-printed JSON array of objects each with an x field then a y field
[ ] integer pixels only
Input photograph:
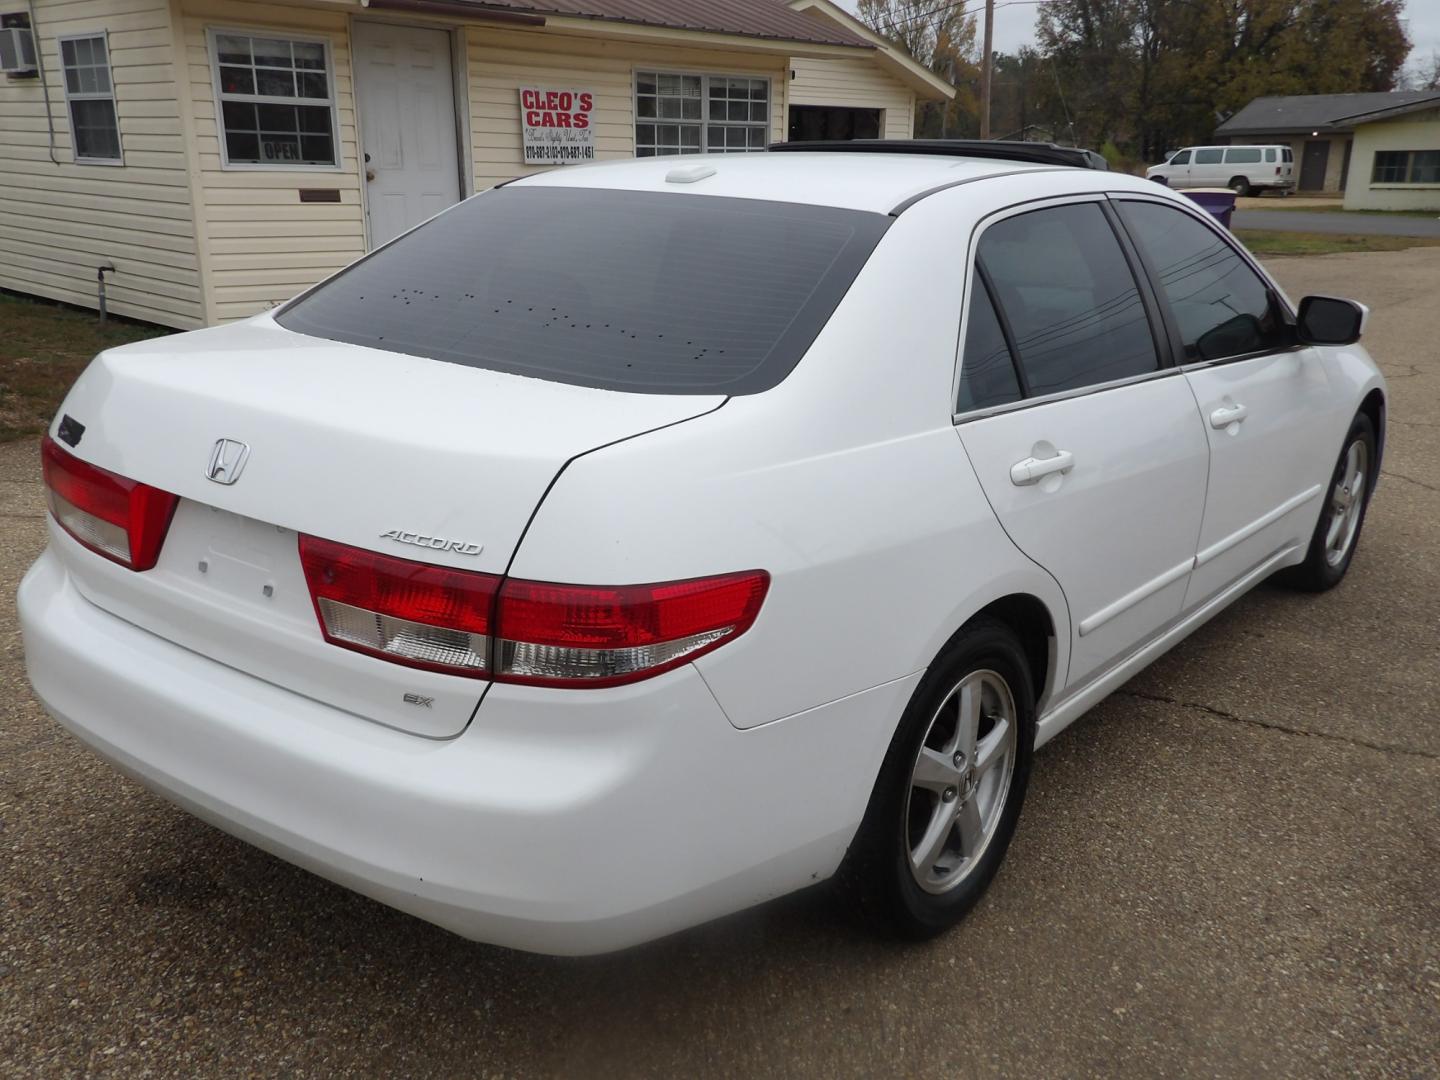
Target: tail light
[
  {"x": 485, "y": 626},
  {"x": 113, "y": 516}
]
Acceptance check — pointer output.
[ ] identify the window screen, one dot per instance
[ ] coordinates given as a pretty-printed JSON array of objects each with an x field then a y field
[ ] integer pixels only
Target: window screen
[
  {"x": 1067, "y": 292},
  {"x": 693, "y": 114},
  {"x": 987, "y": 373},
  {"x": 94, "y": 124},
  {"x": 1222, "y": 306},
  {"x": 648, "y": 292}
]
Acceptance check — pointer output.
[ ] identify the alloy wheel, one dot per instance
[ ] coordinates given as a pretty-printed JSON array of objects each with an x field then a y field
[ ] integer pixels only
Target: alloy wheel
[{"x": 1347, "y": 502}]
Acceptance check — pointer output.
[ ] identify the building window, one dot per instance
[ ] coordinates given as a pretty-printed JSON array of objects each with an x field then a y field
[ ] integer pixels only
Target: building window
[
  {"x": 90, "y": 94},
  {"x": 697, "y": 114},
  {"x": 277, "y": 102},
  {"x": 1406, "y": 167}
]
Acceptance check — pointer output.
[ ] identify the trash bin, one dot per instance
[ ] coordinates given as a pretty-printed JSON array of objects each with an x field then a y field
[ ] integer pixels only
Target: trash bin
[{"x": 1219, "y": 202}]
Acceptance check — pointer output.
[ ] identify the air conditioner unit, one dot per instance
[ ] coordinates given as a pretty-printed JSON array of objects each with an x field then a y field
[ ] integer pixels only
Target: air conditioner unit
[{"x": 17, "y": 51}]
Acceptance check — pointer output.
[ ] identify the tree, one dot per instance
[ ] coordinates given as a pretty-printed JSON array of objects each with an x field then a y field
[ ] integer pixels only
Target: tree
[
  {"x": 942, "y": 38},
  {"x": 1149, "y": 74}
]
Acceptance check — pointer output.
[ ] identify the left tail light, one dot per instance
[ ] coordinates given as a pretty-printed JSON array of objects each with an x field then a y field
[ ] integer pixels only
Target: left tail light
[
  {"x": 485, "y": 626},
  {"x": 112, "y": 515}
]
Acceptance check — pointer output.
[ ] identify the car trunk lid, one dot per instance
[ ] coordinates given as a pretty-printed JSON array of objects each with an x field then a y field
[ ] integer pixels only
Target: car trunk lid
[{"x": 435, "y": 462}]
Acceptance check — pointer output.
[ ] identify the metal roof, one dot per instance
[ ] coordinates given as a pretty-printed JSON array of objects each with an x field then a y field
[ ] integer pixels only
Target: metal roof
[
  {"x": 1318, "y": 112},
  {"x": 746, "y": 18}
]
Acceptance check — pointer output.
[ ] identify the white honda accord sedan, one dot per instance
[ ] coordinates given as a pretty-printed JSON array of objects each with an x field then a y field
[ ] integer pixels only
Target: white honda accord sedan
[{"x": 631, "y": 544}]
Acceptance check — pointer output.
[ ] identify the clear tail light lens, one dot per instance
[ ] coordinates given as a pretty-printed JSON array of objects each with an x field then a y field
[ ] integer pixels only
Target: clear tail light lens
[
  {"x": 483, "y": 626},
  {"x": 119, "y": 518}
]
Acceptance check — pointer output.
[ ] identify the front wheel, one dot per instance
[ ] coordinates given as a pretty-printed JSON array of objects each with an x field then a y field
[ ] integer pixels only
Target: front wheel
[
  {"x": 950, "y": 790},
  {"x": 1337, "y": 533}
]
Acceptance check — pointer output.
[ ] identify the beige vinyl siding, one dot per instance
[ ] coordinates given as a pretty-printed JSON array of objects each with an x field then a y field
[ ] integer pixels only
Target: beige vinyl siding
[
  {"x": 856, "y": 84},
  {"x": 58, "y": 223},
  {"x": 501, "y": 61},
  {"x": 1415, "y": 131},
  {"x": 263, "y": 244}
]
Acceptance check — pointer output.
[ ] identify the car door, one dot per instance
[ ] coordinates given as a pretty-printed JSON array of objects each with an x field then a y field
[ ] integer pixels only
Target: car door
[
  {"x": 1085, "y": 441},
  {"x": 1262, "y": 398},
  {"x": 1208, "y": 167},
  {"x": 1178, "y": 172}
]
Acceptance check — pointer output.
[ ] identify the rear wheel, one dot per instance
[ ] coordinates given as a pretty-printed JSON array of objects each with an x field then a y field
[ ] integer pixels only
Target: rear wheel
[
  {"x": 1240, "y": 186},
  {"x": 1337, "y": 533},
  {"x": 950, "y": 790}
]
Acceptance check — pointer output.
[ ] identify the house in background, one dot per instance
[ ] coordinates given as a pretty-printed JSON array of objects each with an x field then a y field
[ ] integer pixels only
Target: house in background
[
  {"x": 1381, "y": 150},
  {"x": 224, "y": 156}
]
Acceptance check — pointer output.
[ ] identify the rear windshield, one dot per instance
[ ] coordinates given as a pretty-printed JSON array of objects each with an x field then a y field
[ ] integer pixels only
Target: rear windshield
[{"x": 644, "y": 292}]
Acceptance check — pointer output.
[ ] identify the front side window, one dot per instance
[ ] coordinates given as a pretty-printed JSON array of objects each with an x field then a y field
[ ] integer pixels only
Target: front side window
[
  {"x": 693, "y": 114},
  {"x": 90, "y": 95},
  {"x": 1242, "y": 157},
  {"x": 1182, "y": 158},
  {"x": 276, "y": 100},
  {"x": 1208, "y": 157},
  {"x": 1066, "y": 291},
  {"x": 1406, "y": 167},
  {"x": 647, "y": 292},
  {"x": 1222, "y": 306}
]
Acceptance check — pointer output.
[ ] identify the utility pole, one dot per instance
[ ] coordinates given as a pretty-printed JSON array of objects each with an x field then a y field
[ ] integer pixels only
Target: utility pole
[{"x": 986, "y": 66}]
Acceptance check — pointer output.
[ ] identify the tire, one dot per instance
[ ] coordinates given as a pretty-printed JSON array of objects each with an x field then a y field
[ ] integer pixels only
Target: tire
[
  {"x": 1240, "y": 186},
  {"x": 1160, "y": 180},
  {"x": 961, "y": 817},
  {"x": 1333, "y": 544}
]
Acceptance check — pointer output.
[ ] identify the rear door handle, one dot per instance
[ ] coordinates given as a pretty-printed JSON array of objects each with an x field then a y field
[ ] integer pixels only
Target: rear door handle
[
  {"x": 1224, "y": 417},
  {"x": 1032, "y": 470}
]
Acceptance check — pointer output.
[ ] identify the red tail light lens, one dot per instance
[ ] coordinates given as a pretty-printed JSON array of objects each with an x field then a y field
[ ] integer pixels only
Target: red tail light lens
[
  {"x": 113, "y": 516},
  {"x": 483, "y": 626}
]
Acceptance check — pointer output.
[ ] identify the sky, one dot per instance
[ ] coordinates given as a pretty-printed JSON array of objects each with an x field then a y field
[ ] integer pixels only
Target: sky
[{"x": 1015, "y": 25}]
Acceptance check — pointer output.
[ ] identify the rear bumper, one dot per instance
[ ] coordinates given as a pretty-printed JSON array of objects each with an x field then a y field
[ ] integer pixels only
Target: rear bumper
[{"x": 561, "y": 822}]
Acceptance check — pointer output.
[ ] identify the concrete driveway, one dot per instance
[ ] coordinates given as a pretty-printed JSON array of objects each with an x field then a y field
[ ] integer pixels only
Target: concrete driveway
[
  {"x": 1231, "y": 868},
  {"x": 1338, "y": 222}
]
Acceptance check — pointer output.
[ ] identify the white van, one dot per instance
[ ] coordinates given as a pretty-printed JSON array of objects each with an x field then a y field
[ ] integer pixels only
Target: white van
[{"x": 1243, "y": 169}]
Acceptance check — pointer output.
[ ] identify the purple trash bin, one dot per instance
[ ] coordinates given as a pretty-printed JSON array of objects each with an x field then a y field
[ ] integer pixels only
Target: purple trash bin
[{"x": 1218, "y": 202}]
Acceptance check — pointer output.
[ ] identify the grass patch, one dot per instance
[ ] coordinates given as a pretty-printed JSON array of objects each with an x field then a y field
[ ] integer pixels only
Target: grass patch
[
  {"x": 43, "y": 348},
  {"x": 1272, "y": 242},
  {"x": 1339, "y": 208}
]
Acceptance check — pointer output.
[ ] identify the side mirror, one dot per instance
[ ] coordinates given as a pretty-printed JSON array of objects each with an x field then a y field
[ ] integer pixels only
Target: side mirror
[{"x": 1329, "y": 320}]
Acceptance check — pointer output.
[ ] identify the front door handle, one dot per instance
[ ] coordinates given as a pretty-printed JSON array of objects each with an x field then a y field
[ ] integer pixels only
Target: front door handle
[
  {"x": 1225, "y": 416},
  {"x": 1032, "y": 470}
]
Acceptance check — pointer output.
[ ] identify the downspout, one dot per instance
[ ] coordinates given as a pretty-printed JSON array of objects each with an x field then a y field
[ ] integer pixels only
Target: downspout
[{"x": 44, "y": 85}]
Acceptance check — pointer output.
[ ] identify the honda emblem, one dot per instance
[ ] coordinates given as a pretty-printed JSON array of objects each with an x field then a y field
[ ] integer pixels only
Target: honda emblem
[{"x": 226, "y": 461}]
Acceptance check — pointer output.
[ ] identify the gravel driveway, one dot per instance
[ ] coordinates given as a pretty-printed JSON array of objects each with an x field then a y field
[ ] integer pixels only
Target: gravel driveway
[{"x": 1231, "y": 867}]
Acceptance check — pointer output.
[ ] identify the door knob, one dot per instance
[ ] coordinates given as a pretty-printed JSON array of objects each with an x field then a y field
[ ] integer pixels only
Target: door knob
[
  {"x": 1226, "y": 415},
  {"x": 1032, "y": 470}
]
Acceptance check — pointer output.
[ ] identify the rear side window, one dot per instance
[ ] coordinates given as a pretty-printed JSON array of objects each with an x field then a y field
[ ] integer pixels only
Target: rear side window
[
  {"x": 987, "y": 372},
  {"x": 1222, "y": 306},
  {"x": 646, "y": 292},
  {"x": 1208, "y": 157},
  {"x": 1067, "y": 293},
  {"x": 1242, "y": 157},
  {"x": 1182, "y": 158},
  {"x": 1270, "y": 156}
]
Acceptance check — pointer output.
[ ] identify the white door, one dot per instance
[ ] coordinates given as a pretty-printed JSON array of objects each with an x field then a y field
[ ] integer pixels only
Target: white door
[
  {"x": 1263, "y": 403},
  {"x": 1178, "y": 174},
  {"x": 406, "y": 96},
  {"x": 1208, "y": 167},
  {"x": 1097, "y": 471}
]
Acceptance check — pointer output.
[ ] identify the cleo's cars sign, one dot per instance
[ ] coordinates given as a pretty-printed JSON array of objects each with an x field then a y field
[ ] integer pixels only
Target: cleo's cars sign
[{"x": 559, "y": 125}]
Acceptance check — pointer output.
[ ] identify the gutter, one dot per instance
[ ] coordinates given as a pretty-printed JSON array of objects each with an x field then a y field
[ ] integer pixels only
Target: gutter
[{"x": 455, "y": 9}]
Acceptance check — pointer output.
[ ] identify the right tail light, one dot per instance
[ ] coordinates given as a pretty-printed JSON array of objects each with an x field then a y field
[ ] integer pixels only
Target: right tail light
[{"x": 509, "y": 630}]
